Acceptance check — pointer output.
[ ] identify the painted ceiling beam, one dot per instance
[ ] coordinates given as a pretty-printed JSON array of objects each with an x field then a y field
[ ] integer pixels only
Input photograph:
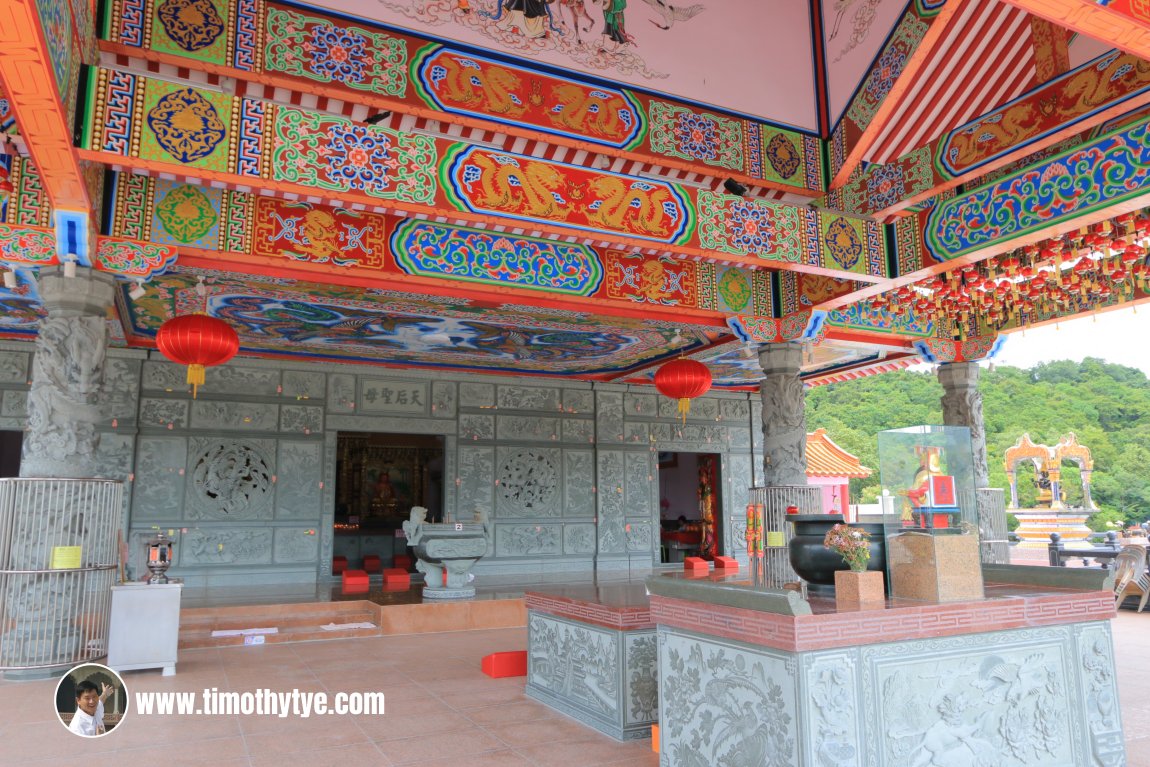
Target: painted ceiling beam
[
  {"x": 918, "y": 36},
  {"x": 1100, "y": 90},
  {"x": 1121, "y": 23}
]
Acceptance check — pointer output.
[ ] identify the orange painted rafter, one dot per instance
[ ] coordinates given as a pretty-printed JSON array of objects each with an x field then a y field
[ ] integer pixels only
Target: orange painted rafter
[
  {"x": 933, "y": 41},
  {"x": 399, "y": 108},
  {"x": 349, "y": 199},
  {"x": 1116, "y": 24},
  {"x": 31, "y": 88}
]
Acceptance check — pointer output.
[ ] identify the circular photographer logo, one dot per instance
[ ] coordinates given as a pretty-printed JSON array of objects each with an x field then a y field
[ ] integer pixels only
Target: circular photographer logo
[{"x": 91, "y": 700}]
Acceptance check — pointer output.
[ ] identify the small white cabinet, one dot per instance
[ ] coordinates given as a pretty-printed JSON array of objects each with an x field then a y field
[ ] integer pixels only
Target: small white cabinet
[{"x": 145, "y": 626}]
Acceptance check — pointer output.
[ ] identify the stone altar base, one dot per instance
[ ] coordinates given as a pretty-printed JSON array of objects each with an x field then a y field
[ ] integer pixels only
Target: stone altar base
[
  {"x": 1036, "y": 525},
  {"x": 934, "y": 568}
]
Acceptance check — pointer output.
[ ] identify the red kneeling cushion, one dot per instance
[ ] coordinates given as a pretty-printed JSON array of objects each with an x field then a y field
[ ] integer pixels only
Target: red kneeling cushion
[
  {"x": 402, "y": 561},
  {"x": 393, "y": 576},
  {"x": 696, "y": 564},
  {"x": 503, "y": 664},
  {"x": 726, "y": 563},
  {"x": 355, "y": 579},
  {"x": 338, "y": 565},
  {"x": 372, "y": 563}
]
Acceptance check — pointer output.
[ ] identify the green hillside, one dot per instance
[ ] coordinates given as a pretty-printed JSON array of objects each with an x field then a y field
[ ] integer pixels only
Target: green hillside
[{"x": 1107, "y": 406}]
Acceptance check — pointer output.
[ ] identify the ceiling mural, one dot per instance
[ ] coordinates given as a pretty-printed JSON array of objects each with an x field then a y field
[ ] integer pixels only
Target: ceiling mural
[
  {"x": 289, "y": 318},
  {"x": 853, "y": 33}
]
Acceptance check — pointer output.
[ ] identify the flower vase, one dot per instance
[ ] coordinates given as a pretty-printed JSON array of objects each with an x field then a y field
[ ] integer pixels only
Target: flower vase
[{"x": 854, "y": 588}]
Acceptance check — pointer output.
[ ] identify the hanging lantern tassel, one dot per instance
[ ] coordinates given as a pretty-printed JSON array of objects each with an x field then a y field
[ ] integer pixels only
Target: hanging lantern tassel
[
  {"x": 198, "y": 341},
  {"x": 683, "y": 379}
]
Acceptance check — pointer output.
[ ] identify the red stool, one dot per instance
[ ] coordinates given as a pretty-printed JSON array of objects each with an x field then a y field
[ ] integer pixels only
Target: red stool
[
  {"x": 402, "y": 561},
  {"x": 393, "y": 576},
  {"x": 356, "y": 580},
  {"x": 504, "y": 664},
  {"x": 727, "y": 564},
  {"x": 338, "y": 565},
  {"x": 372, "y": 563},
  {"x": 696, "y": 565}
]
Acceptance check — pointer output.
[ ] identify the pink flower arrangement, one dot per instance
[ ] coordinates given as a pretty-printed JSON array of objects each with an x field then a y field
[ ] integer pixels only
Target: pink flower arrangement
[{"x": 851, "y": 543}]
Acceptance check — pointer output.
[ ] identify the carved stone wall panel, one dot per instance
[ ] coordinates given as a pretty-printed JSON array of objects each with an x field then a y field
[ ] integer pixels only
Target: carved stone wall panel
[
  {"x": 15, "y": 367},
  {"x": 114, "y": 456},
  {"x": 528, "y": 482},
  {"x": 637, "y": 433},
  {"x": 394, "y": 396},
  {"x": 640, "y": 484},
  {"x": 578, "y": 430},
  {"x": 161, "y": 466},
  {"x": 609, "y": 417},
  {"x": 230, "y": 478},
  {"x": 293, "y": 545},
  {"x": 397, "y": 423},
  {"x": 528, "y": 540},
  {"x": 612, "y": 506},
  {"x": 476, "y": 427},
  {"x": 225, "y": 546},
  {"x": 831, "y": 706},
  {"x": 641, "y": 405},
  {"x": 736, "y": 497},
  {"x": 702, "y": 409},
  {"x": 519, "y": 428},
  {"x": 640, "y": 538},
  {"x": 726, "y": 704},
  {"x": 476, "y": 395},
  {"x": 690, "y": 437},
  {"x": 233, "y": 379},
  {"x": 641, "y": 696},
  {"x": 578, "y": 401},
  {"x": 738, "y": 438},
  {"x": 1023, "y": 715},
  {"x": 14, "y": 404},
  {"x": 577, "y": 662},
  {"x": 443, "y": 399},
  {"x": 121, "y": 390},
  {"x": 1100, "y": 694},
  {"x": 304, "y": 385},
  {"x": 301, "y": 419},
  {"x": 579, "y": 539},
  {"x": 164, "y": 376},
  {"x": 327, "y": 507},
  {"x": 578, "y": 483},
  {"x": 164, "y": 413},
  {"x": 340, "y": 393},
  {"x": 297, "y": 487},
  {"x": 234, "y": 416},
  {"x": 537, "y": 398},
  {"x": 476, "y": 480},
  {"x": 734, "y": 410}
]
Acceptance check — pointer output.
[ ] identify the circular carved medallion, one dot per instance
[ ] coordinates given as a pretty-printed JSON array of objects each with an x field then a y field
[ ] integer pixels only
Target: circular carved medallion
[
  {"x": 529, "y": 483},
  {"x": 232, "y": 478}
]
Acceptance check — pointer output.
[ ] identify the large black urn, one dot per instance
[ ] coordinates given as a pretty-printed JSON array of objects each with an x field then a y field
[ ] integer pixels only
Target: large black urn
[{"x": 814, "y": 562}]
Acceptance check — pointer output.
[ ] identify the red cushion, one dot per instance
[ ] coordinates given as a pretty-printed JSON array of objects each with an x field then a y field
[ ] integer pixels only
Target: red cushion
[
  {"x": 726, "y": 563},
  {"x": 696, "y": 564},
  {"x": 372, "y": 563},
  {"x": 504, "y": 664},
  {"x": 338, "y": 565},
  {"x": 355, "y": 579},
  {"x": 402, "y": 561},
  {"x": 394, "y": 576}
]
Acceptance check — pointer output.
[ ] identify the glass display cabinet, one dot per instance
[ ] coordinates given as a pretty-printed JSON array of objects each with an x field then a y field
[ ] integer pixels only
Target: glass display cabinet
[{"x": 930, "y": 513}]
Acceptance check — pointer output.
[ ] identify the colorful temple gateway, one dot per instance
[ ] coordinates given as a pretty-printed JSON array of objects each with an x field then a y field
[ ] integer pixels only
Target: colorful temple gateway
[{"x": 276, "y": 273}]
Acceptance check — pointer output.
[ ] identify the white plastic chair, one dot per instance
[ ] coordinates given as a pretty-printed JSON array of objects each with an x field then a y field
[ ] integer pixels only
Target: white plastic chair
[{"x": 1130, "y": 576}]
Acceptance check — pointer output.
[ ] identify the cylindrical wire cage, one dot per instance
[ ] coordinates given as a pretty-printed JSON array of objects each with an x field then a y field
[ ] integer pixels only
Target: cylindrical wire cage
[
  {"x": 58, "y": 555},
  {"x": 772, "y": 503}
]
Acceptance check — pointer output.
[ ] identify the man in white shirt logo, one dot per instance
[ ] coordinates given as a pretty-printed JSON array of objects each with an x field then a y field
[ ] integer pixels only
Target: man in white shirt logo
[{"x": 89, "y": 717}]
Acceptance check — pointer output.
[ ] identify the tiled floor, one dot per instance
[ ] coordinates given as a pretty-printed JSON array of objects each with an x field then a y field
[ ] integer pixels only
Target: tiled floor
[{"x": 441, "y": 711}]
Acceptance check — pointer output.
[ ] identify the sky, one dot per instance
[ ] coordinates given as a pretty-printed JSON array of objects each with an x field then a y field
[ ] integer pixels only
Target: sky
[{"x": 1121, "y": 337}]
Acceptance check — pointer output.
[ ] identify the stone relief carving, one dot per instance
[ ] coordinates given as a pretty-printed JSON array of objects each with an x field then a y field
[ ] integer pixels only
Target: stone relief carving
[
  {"x": 579, "y": 539},
  {"x": 301, "y": 419},
  {"x": 578, "y": 401},
  {"x": 577, "y": 662},
  {"x": 168, "y": 413},
  {"x": 443, "y": 399},
  {"x": 159, "y": 486},
  {"x": 164, "y": 376},
  {"x": 579, "y": 430},
  {"x": 327, "y": 504},
  {"x": 962, "y": 406},
  {"x": 738, "y": 438},
  {"x": 476, "y": 480},
  {"x": 640, "y": 487},
  {"x": 642, "y": 693},
  {"x": 784, "y": 429},
  {"x": 120, "y": 390},
  {"x": 702, "y": 409},
  {"x": 707, "y": 439},
  {"x": 527, "y": 540},
  {"x": 114, "y": 457},
  {"x": 609, "y": 416},
  {"x": 216, "y": 546},
  {"x": 517, "y": 428},
  {"x": 528, "y": 483},
  {"x": 63, "y": 404},
  {"x": 229, "y": 379},
  {"x": 639, "y": 538},
  {"x": 724, "y": 706},
  {"x": 738, "y": 473},
  {"x": 578, "y": 481},
  {"x": 734, "y": 410},
  {"x": 296, "y": 544},
  {"x": 13, "y": 367},
  {"x": 639, "y": 433},
  {"x": 833, "y": 736},
  {"x": 476, "y": 395},
  {"x": 1103, "y": 715},
  {"x": 527, "y": 398},
  {"x": 341, "y": 393},
  {"x": 612, "y": 538},
  {"x": 297, "y": 490},
  {"x": 303, "y": 384},
  {"x": 641, "y": 405},
  {"x": 230, "y": 480},
  {"x": 234, "y": 416},
  {"x": 476, "y": 427},
  {"x": 14, "y": 404}
]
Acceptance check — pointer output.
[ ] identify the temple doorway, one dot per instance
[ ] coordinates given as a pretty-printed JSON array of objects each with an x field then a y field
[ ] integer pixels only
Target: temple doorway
[
  {"x": 10, "y": 446},
  {"x": 689, "y": 506}
]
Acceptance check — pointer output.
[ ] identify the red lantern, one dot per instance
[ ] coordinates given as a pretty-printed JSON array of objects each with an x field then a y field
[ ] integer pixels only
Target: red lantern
[
  {"x": 683, "y": 379},
  {"x": 198, "y": 341}
]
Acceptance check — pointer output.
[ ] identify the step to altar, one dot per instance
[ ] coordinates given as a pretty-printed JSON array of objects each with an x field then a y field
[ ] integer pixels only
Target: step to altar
[{"x": 296, "y": 622}]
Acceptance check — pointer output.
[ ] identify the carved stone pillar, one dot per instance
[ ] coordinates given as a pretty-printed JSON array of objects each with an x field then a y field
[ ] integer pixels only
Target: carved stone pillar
[
  {"x": 962, "y": 406},
  {"x": 67, "y": 375},
  {"x": 784, "y": 420}
]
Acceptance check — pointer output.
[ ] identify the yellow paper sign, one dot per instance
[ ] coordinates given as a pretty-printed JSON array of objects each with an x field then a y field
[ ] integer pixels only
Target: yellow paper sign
[
  {"x": 775, "y": 539},
  {"x": 65, "y": 557}
]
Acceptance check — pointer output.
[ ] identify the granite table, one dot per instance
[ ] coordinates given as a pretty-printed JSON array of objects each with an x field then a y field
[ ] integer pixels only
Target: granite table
[
  {"x": 1024, "y": 676},
  {"x": 591, "y": 654}
]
